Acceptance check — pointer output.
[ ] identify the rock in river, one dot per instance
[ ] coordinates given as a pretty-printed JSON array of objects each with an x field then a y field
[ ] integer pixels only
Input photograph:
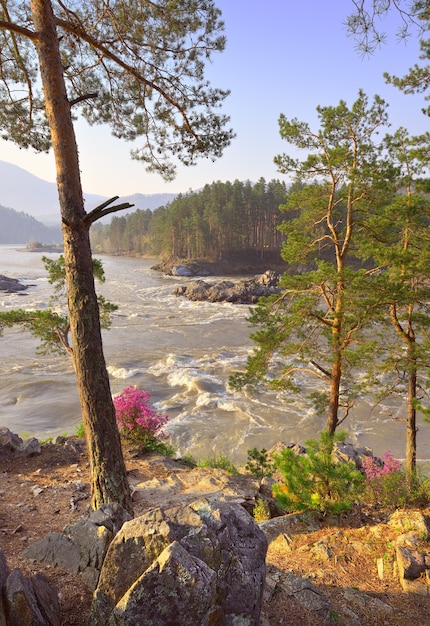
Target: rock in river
[
  {"x": 11, "y": 285},
  {"x": 245, "y": 291}
]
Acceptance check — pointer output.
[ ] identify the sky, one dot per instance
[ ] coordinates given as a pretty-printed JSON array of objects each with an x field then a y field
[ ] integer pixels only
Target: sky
[{"x": 281, "y": 57}]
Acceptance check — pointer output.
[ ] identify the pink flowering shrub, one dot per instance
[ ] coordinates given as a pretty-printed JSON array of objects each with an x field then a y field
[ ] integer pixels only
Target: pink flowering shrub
[
  {"x": 385, "y": 483},
  {"x": 137, "y": 420}
]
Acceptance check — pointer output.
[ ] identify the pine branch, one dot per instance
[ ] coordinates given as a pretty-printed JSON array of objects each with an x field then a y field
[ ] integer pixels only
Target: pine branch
[
  {"x": 101, "y": 210},
  {"x": 88, "y": 96}
]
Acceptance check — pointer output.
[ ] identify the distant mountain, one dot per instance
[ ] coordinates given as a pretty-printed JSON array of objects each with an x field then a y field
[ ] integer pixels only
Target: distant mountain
[
  {"x": 22, "y": 191},
  {"x": 18, "y": 227},
  {"x": 148, "y": 201}
]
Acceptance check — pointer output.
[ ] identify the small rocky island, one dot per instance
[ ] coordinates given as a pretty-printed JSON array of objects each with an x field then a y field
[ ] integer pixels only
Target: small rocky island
[{"x": 244, "y": 291}]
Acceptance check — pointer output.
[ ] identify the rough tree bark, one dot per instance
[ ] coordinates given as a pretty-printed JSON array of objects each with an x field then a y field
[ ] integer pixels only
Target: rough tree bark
[
  {"x": 108, "y": 472},
  {"x": 411, "y": 416}
]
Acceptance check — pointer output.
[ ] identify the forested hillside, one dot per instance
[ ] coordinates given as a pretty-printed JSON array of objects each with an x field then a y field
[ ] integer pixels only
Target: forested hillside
[
  {"x": 220, "y": 220},
  {"x": 18, "y": 227}
]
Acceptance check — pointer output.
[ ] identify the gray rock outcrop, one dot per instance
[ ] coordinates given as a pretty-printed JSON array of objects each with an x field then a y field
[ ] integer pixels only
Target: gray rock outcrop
[
  {"x": 343, "y": 452},
  {"x": 82, "y": 546},
  {"x": 307, "y": 595},
  {"x": 181, "y": 270},
  {"x": 238, "y": 292},
  {"x": 26, "y": 601},
  {"x": 12, "y": 445},
  {"x": 203, "y": 562},
  {"x": 182, "y": 485},
  {"x": 412, "y": 557},
  {"x": 11, "y": 285}
]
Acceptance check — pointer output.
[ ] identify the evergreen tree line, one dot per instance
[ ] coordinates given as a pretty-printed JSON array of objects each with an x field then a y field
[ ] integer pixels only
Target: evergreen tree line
[{"x": 222, "y": 219}]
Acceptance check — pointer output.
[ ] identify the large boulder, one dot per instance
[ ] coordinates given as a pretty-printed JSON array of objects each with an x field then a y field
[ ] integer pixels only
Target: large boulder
[
  {"x": 181, "y": 485},
  {"x": 26, "y": 601},
  {"x": 205, "y": 560},
  {"x": 412, "y": 556},
  {"x": 11, "y": 445},
  {"x": 305, "y": 594},
  {"x": 343, "y": 452},
  {"x": 82, "y": 546},
  {"x": 187, "y": 267}
]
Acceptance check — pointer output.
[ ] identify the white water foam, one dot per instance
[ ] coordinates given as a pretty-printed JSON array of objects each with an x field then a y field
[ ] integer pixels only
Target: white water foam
[{"x": 122, "y": 372}]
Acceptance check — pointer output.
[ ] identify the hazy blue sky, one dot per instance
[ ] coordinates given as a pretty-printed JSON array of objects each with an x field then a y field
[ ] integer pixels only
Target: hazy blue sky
[{"x": 281, "y": 57}]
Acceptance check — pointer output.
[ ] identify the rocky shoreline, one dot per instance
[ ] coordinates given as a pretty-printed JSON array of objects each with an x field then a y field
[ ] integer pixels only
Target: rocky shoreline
[
  {"x": 225, "y": 267},
  {"x": 372, "y": 568}
]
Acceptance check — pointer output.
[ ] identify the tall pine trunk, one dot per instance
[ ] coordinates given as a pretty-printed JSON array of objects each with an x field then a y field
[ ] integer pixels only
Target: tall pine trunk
[
  {"x": 108, "y": 472},
  {"x": 411, "y": 419},
  {"x": 332, "y": 421},
  {"x": 333, "y": 406}
]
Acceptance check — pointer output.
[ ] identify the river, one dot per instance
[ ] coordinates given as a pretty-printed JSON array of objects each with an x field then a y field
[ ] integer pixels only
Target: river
[{"x": 183, "y": 353}]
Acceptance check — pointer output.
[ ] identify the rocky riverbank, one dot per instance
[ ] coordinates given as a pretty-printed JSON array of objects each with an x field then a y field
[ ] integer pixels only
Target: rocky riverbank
[
  {"x": 366, "y": 567},
  {"x": 240, "y": 265}
]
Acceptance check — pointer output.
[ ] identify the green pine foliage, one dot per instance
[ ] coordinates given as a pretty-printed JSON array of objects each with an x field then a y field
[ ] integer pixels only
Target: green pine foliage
[
  {"x": 397, "y": 241},
  {"x": 51, "y": 326},
  {"x": 259, "y": 463},
  {"x": 316, "y": 326},
  {"x": 46, "y": 325},
  {"x": 316, "y": 481}
]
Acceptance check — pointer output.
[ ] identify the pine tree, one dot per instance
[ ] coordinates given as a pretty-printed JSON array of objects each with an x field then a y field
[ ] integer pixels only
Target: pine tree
[
  {"x": 139, "y": 67},
  {"x": 398, "y": 241},
  {"x": 316, "y": 325}
]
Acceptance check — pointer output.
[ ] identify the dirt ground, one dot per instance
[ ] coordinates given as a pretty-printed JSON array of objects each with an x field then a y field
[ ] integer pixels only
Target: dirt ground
[{"x": 51, "y": 490}]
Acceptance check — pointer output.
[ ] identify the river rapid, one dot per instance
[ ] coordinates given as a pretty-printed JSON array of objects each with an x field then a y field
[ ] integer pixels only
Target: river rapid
[{"x": 183, "y": 353}]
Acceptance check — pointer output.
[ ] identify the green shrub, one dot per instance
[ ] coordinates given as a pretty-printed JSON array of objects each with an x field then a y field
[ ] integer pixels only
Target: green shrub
[
  {"x": 44, "y": 442},
  {"x": 261, "y": 511},
  {"x": 387, "y": 483},
  {"x": 259, "y": 464},
  {"x": 420, "y": 494},
  {"x": 221, "y": 462},
  {"x": 80, "y": 431},
  {"x": 314, "y": 481},
  {"x": 165, "y": 448}
]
